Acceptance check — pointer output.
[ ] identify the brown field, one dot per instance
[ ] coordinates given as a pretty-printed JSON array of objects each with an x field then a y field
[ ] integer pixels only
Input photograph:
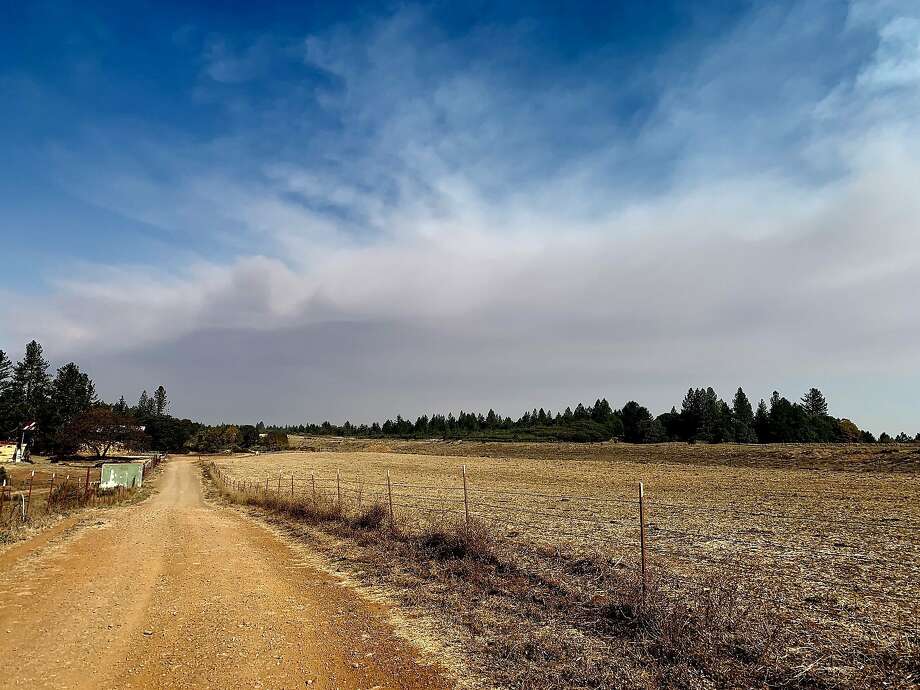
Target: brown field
[{"x": 826, "y": 534}]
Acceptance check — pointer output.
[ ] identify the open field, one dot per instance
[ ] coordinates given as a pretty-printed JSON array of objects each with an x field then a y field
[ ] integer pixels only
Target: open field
[{"x": 827, "y": 536}]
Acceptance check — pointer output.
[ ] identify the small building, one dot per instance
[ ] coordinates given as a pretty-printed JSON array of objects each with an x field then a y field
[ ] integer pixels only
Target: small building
[
  {"x": 129, "y": 475},
  {"x": 8, "y": 451}
]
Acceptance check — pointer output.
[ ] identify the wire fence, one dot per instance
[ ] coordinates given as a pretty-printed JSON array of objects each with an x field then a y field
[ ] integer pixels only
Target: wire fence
[
  {"x": 26, "y": 498},
  {"x": 852, "y": 575}
]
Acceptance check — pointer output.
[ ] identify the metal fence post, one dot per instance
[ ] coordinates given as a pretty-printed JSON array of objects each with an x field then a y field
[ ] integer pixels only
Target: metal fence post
[
  {"x": 50, "y": 493},
  {"x": 390, "y": 494},
  {"x": 292, "y": 486},
  {"x": 642, "y": 534},
  {"x": 338, "y": 486},
  {"x": 29, "y": 504},
  {"x": 466, "y": 500},
  {"x": 313, "y": 484}
]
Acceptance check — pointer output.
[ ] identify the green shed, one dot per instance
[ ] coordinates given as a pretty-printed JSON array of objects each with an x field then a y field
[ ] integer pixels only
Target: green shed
[{"x": 126, "y": 474}]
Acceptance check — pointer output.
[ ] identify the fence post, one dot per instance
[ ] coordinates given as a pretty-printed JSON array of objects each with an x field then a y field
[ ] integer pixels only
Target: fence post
[
  {"x": 338, "y": 486},
  {"x": 86, "y": 486},
  {"x": 292, "y": 486},
  {"x": 642, "y": 534},
  {"x": 50, "y": 493},
  {"x": 3, "y": 496},
  {"x": 390, "y": 494},
  {"x": 313, "y": 484},
  {"x": 279, "y": 483},
  {"x": 29, "y": 504},
  {"x": 466, "y": 500},
  {"x": 266, "y": 485}
]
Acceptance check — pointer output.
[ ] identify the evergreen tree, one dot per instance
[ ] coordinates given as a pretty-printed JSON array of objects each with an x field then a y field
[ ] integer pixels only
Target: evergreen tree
[
  {"x": 743, "y": 419},
  {"x": 636, "y": 421},
  {"x": 146, "y": 407},
  {"x": 652, "y": 431},
  {"x": 788, "y": 421},
  {"x": 72, "y": 392},
  {"x": 814, "y": 404},
  {"x": 6, "y": 370},
  {"x": 30, "y": 386},
  {"x": 601, "y": 412},
  {"x": 160, "y": 401},
  {"x": 670, "y": 422},
  {"x": 762, "y": 422}
]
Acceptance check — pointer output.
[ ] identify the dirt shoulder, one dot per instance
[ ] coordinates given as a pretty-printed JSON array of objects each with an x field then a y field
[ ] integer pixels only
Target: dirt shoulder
[{"x": 176, "y": 592}]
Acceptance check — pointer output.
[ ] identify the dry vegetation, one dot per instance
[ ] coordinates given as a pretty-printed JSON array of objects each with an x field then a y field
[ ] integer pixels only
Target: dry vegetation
[
  {"x": 782, "y": 566},
  {"x": 63, "y": 483}
]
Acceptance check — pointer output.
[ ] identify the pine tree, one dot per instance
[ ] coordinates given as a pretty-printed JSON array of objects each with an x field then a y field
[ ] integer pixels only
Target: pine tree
[
  {"x": 743, "y": 418},
  {"x": 73, "y": 392},
  {"x": 160, "y": 401},
  {"x": 30, "y": 386},
  {"x": 814, "y": 404},
  {"x": 145, "y": 406},
  {"x": 6, "y": 369},
  {"x": 762, "y": 422}
]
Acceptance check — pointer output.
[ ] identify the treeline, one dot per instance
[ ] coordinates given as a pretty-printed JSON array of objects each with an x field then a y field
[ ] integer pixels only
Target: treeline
[
  {"x": 61, "y": 414},
  {"x": 68, "y": 415},
  {"x": 703, "y": 418}
]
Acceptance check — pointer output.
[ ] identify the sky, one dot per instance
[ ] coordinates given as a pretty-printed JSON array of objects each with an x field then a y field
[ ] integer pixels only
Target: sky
[{"x": 307, "y": 211}]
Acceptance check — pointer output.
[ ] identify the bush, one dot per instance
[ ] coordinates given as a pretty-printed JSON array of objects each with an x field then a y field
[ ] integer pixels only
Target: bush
[{"x": 372, "y": 517}]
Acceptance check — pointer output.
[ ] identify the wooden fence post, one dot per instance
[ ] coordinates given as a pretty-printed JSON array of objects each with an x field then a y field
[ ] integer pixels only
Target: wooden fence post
[
  {"x": 292, "y": 486},
  {"x": 279, "y": 483},
  {"x": 50, "y": 493},
  {"x": 29, "y": 504},
  {"x": 642, "y": 534},
  {"x": 466, "y": 500},
  {"x": 390, "y": 494}
]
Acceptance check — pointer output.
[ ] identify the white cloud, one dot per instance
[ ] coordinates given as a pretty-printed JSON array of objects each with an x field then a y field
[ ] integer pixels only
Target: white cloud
[{"x": 774, "y": 229}]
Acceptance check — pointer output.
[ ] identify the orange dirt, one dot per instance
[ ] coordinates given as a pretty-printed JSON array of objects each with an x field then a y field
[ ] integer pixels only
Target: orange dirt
[{"x": 175, "y": 592}]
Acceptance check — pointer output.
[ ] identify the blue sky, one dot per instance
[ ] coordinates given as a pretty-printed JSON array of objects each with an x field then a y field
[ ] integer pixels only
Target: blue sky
[{"x": 320, "y": 210}]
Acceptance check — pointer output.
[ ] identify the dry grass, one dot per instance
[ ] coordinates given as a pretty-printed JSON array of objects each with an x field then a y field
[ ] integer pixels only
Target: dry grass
[
  {"x": 57, "y": 488},
  {"x": 775, "y": 574}
]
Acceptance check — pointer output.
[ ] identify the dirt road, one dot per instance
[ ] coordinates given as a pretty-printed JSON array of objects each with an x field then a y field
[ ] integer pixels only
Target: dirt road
[{"x": 176, "y": 592}]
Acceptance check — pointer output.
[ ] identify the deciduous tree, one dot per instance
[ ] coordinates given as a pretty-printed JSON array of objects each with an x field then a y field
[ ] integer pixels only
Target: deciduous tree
[{"x": 100, "y": 430}]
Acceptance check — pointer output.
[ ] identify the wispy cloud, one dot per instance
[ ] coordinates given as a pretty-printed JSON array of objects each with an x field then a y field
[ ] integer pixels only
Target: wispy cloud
[{"x": 755, "y": 219}]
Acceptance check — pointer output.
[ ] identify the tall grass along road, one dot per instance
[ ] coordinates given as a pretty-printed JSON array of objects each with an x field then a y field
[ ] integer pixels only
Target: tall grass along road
[{"x": 175, "y": 592}]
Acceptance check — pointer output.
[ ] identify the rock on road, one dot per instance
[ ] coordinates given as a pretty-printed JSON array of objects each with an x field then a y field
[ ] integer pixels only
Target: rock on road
[{"x": 180, "y": 593}]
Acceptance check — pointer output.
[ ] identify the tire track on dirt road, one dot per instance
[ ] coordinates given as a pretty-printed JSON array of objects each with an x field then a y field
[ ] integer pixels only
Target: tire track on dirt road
[{"x": 175, "y": 592}]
